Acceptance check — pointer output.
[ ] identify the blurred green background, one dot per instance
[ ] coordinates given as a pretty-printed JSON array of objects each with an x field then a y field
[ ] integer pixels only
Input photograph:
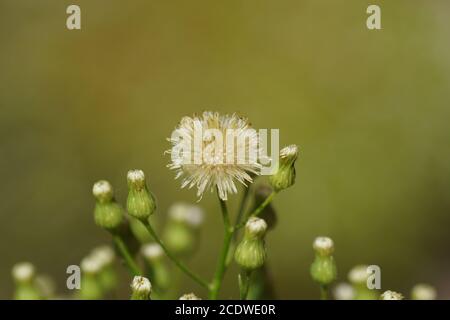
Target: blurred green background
[{"x": 369, "y": 109}]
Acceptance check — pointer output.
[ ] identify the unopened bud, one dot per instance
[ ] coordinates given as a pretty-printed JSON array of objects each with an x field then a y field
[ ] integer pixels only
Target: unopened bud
[
  {"x": 140, "y": 202},
  {"x": 251, "y": 252},
  {"x": 23, "y": 272},
  {"x": 285, "y": 175},
  {"x": 107, "y": 213},
  {"x": 391, "y": 295},
  {"x": 423, "y": 291},
  {"x": 141, "y": 288},
  {"x": 189, "y": 296},
  {"x": 323, "y": 269}
]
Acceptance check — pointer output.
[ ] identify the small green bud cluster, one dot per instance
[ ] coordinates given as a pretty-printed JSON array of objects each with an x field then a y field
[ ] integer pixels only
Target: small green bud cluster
[
  {"x": 284, "y": 177},
  {"x": 141, "y": 288},
  {"x": 250, "y": 254},
  {"x": 140, "y": 202},
  {"x": 107, "y": 213},
  {"x": 323, "y": 270}
]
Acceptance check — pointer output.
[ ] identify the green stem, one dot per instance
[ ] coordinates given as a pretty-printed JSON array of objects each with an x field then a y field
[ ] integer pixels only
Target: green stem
[
  {"x": 222, "y": 265},
  {"x": 131, "y": 264},
  {"x": 175, "y": 260},
  {"x": 242, "y": 206},
  {"x": 323, "y": 292},
  {"x": 244, "y": 284},
  {"x": 259, "y": 209}
]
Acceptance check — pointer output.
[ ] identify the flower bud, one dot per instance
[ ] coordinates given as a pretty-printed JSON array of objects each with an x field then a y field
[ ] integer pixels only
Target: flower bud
[
  {"x": 140, "y": 202},
  {"x": 181, "y": 234},
  {"x": 285, "y": 175},
  {"x": 141, "y": 288},
  {"x": 24, "y": 275},
  {"x": 189, "y": 296},
  {"x": 423, "y": 291},
  {"x": 107, "y": 213},
  {"x": 251, "y": 252},
  {"x": 323, "y": 269},
  {"x": 358, "y": 276},
  {"x": 107, "y": 276},
  {"x": 91, "y": 288},
  {"x": 23, "y": 272},
  {"x": 153, "y": 255},
  {"x": 391, "y": 295}
]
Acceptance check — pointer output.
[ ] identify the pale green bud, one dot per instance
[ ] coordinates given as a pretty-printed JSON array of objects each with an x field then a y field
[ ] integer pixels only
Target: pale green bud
[
  {"x": 181, "y": 234},
  {"x": 423, "y": 291},
  {"x": 140, "y": 202},
  {"x": 285, "y": 175},
  {"x": 189, "y": 296},
  {"x": 323, "y": 270},
  {"x": 107, "y": 213},
  {"x": 250, "y": 254},
  {"x": 24, "y": 275},
  {"x": 391, "y": 295},
  {"x": 358, "y": 276},
  {"x": 91, "y": 288},
  {"x": 141, "y": 288},
  {"x": 153, "y": 255},
  {"x": 107, "y": 276}
]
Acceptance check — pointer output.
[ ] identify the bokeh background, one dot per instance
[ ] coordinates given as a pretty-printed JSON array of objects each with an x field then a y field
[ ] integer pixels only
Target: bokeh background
[{"x": 369, "y": 110}]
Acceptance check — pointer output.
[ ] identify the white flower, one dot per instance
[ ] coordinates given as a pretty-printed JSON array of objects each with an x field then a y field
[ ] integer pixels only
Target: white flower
[
  {"x": 104, "y": 254},
  {"x": 152, "y": 251},
  {"x": 323, "y": 245},
  {"x": 358, "y": 274},
  {"x": 91, "y": 265},
  {"x": 141, "y": 285},
  {"x": 202, "y": 155},
  {"x": 256, "y": 226},
  {"x": 391, "y": 295}
]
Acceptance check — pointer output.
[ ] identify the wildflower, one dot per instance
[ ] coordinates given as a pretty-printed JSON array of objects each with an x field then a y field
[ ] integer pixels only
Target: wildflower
[
  {"x": 391, "y": 295},
  {"x": 189, "y": 296},
  {"x": 344, "y": 291},
  {"x": 323, "y": 269},
  {"x": 153, "y": 255},
  {"x": 284, "y": 177},
  {"x": 181, "y": 234},
  {"x": 358, "y": 276},
  {"x": 107, "y": 213},
  {"x": 251, "y": 253},
  {"x": 140, "y": 202},
  {"x": 423, "y": 291},
  {"x": 141, "y": 288},
  {"x": 201, "y": 154},
  {"x": 24, "y": 275}
]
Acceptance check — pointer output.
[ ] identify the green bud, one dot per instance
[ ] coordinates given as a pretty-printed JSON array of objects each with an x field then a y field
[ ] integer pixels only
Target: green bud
[
  {"x": 139, "y": 231},
  {"x": 154, "y": 256},
  {"x": 323, "y": 269},
  {"x": 423, "y": 291},
  {"x": 285, "y": 175},
  {"x": 24, "y": 275},
  {"x": 358, "y": 276},
  {"x": 181, "y": 234},
  {"x": 391, "y": 295},
  {"x": 251, "y": 252},
  {"x": 91, "y": 288},
  {"x": 107, "y": 276},
  {"x": 140, "y": 202},
  {"x": 141, "y": 288},
  {"x": 107, "y": 213}
]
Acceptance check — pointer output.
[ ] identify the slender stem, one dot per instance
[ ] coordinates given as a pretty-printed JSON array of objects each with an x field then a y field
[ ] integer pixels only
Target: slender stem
[
  {"x": 244, "y": 284},
  {"x": 242, "y": 206},
  {"x": 131, "y": 264},
  {"x": 175, "y": 260},
  {"x": 222, "y": 265},
  {"x": 323, "y": 292},
  {"x": 259, "y": 209}
]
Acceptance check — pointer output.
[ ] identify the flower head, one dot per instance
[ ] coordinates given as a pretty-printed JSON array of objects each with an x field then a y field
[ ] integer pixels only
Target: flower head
[
  {"x": 323, "y": 246},
  {"x": 23, "y": 272},
  {"x": 213, "y": 151},
  {"x": 189, "y": 296},
  {"x": 141, "y": 288}
]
